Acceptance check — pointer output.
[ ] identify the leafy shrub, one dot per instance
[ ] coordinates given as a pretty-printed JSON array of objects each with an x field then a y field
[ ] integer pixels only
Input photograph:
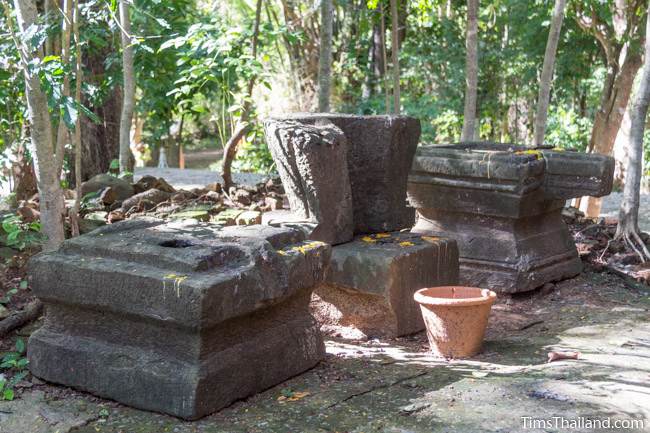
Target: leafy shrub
[
  {"x": 21, "y": 235},
  {"x": 15, "y": 364}
]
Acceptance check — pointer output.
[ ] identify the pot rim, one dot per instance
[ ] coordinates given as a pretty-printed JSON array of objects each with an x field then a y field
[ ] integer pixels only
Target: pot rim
[{"x": 486, "y": 297}]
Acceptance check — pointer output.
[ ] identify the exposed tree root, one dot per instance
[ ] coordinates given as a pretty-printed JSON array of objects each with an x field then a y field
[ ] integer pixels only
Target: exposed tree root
[
  {"x": 31, "y": 312},
  {"x": 636, "y": 244}
]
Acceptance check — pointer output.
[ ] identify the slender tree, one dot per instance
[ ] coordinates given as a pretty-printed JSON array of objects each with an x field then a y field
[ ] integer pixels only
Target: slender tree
[
  {"x": 395, "y": 55},
  {"x": 628, "y": 220},
  {"x": 547, "y": 72},
  {"x": 46, "y": 153},
  {"x": 619, "y": 40},
  {"x": 471, "y": 72},
  {"x": 128, "y": 101},
  {"x": 325, "y": 59},
  {"x": 382, "y": 41},
  {"x": 76, "y": 140},
  {"x": 231, "y": 147}
]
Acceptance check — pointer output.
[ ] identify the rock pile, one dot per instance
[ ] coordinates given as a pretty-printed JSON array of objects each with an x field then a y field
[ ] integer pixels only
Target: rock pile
[{"x": 107, "y": 199}]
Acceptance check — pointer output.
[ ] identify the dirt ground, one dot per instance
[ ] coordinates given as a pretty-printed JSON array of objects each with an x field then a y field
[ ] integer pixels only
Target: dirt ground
[{"x": 395, "y": 386}]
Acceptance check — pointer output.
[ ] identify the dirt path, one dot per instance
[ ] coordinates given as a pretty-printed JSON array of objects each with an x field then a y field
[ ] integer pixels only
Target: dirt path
[
  {"x": 394, "y": 386},
  {"x": 612, "y": 202},
  {"x": 193, "y": 178}
]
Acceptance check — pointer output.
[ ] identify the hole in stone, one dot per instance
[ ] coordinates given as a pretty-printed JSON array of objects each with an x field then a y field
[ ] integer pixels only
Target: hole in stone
[{"x": 176, "y": 243}]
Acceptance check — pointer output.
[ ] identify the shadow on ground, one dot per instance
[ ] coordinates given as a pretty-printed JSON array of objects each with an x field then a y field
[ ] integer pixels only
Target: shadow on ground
[{"x": 396, "y": 386}]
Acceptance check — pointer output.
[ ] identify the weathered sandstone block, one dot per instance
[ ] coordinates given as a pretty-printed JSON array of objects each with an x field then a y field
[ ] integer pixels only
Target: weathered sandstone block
[
  {"x": 182, "y": 318},
  {"x": 312, "y": 163},
  {"x": 380, "y": 151},
  {"x": 502, "y": 204},
  {"x": 371, "y": 281}
]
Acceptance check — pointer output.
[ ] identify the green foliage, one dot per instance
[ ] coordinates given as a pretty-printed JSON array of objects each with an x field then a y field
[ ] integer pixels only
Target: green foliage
[
  {"x": 156, "y": 69},
  {"x": 14, "y": 364},
  {"x": 512, "y": 40},
  {"x": 12, "y": 291},
  {"x": 254, "y": 155},
  {"x": 213, "y": 63},
  {"x": 114, "y": 165},
  {"x": 21, "y": 235},
  {"x": 568, "y": 130},
  {"x": 193, "y": 64}
]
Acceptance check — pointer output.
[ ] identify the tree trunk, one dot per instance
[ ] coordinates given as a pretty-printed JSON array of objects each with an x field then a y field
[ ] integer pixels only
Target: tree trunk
[
  {"x": 395, "y": 55},
  {"x": 471, "y": 72},
  {"x": 42, "y": 146},
  {"x": 621, "y": 149},
  {"x": 325, "y": 59},
  {"x": 378, "y": 45},
  {"x": 382, "y": 42},
  {"x": 100, "y": 141},
  {"x": 23, "y": 175},
  {"x": 74, "y": 213},
  {"x": 628, "y": 227},
  {"x": 128, "y": 103},
  {"x": 370, "y": 78},
  {"x": 232, "y": 146},
  {"x": 608, "y": 119},
  {"x": 547, "y": 73}
]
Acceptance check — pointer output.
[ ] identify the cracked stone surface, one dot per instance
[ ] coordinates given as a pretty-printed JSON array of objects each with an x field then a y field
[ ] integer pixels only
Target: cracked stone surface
[{"x": 395, "y": 386}]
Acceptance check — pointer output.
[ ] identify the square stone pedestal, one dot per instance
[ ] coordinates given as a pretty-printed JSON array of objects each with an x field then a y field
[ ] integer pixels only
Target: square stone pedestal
[
  {"x": 177, "y": 318},
  {"x": 502, "y": 203},
  {"x": 371, "y": 281}
]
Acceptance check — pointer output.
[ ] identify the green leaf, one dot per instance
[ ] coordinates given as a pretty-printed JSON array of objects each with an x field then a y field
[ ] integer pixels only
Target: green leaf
[
  {"x": 88, "y": 113},
  {"x": 163, "y": 23},
  {"x": 70, "y": 112},
  {"x": 8, "y": 394},
  {"x": 23, "y": 285},
  {"x": 20, "y": 345}
]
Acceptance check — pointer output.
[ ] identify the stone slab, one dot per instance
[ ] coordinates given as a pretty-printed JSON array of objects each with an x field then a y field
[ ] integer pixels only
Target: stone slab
[
  {"x": 573, "y": 174},
  {"x": 312, "y": 163},
  {"x": 504, "y": 254},
  {"x": 182, "y": 318},
  {"x": 380, "y": 153},
  {"x": 371, "y": 280}
]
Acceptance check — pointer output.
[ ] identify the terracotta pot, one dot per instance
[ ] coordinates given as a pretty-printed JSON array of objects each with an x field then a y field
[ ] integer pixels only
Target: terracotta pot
[{"x": 455, "y": 318}]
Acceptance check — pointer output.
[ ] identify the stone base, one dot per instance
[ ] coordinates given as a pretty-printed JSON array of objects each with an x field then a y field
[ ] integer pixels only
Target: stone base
[
  {"x": 371, "y": 282},
  {"x": 508, "y": 279},
  {"x": 265, "y": 349},
  {"x": 502, "y": 203},
  {"x": 177, "y": 318},
  {"x": 507, "y": 255}
]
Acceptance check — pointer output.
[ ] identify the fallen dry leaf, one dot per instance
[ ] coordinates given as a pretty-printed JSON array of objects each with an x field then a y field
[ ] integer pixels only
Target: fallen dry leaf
[
  {"x": 295, "y": 396},
  {"x": 558, "y": 356}
]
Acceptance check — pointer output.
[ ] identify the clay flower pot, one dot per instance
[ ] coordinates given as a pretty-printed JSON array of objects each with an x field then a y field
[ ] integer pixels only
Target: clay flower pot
[{"x": 455, "y": 318}]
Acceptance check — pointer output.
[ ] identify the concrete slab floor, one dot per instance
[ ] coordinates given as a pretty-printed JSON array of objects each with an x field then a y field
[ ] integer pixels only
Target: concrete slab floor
[{"x": 394, "y": 386}]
